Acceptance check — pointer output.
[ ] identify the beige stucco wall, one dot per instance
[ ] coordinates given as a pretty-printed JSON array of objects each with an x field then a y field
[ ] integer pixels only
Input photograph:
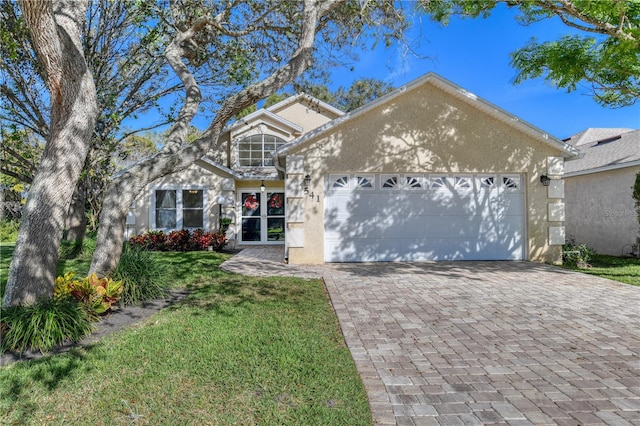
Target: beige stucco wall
[
  {"x": 422, "y": 131},
  {"x": 305, "y": 116},
  {"x": 600, "y": 210},
  {"x": 195, "y": 177}
]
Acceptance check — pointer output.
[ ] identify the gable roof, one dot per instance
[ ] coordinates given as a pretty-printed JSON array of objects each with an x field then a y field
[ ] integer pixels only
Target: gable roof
[
  {"x": 266, "y": 115},
  {"x": 594, "y": 134},
  {"x": 618, "y": 148},
  {"x": 308, "y": 99},
  {"x": 452, "y": 89}
]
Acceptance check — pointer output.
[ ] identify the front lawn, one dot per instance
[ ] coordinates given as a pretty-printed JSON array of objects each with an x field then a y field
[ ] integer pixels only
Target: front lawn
[
  {"x": 238, "y": 350},
  {"x": 623, "y": 269}
]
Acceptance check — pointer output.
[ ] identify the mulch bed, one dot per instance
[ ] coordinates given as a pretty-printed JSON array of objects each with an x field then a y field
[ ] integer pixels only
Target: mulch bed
[{"x": 110, "y": 323}]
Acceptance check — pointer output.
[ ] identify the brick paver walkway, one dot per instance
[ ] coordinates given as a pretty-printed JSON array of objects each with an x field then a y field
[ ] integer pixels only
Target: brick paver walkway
[{"x": 473, "y": 343}]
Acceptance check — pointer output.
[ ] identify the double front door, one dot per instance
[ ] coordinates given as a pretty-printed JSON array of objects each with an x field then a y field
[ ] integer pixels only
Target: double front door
[{"x": 262, "y": 217}]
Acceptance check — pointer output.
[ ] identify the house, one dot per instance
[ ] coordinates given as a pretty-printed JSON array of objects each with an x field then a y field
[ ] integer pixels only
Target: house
[
  {"x": 598, "y": 190},
  {"x": 426, "y": 172}
]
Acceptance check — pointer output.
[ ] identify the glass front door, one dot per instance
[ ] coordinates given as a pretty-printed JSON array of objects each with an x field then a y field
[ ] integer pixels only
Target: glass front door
[{"x": 262, "y": 217}]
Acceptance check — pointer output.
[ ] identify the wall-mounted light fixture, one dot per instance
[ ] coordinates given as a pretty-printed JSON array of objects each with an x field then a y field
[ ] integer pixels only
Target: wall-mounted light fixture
[
  {"x": 262, "y": 187},
  {"x": 307, "y": 184},
  {"x": 545, "y": 180}
]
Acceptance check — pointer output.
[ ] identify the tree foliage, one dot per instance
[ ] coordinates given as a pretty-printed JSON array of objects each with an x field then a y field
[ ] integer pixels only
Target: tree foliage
[
  {"x": 270, "y": 43},
  {"x": 604, "y": 54},
  {"x": 122, "y": 50}
]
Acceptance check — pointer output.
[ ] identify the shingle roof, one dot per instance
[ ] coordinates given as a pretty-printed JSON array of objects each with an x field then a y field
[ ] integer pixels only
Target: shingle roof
[
  {"x": 603, "y": 148},
  {"x": 594, "y": 134}
]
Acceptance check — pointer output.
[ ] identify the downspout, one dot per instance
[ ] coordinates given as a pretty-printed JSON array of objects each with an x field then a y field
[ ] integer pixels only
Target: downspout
[{"x": 281, "y": 169}]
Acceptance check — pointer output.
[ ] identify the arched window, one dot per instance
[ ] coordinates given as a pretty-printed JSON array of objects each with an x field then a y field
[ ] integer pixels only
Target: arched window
[{"x": 255, "y": 150}]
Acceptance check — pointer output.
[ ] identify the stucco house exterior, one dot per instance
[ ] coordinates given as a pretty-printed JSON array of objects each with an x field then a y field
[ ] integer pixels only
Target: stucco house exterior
[
  {"x": 426, "y": 172},
  {"x": 600, "y": 210}
]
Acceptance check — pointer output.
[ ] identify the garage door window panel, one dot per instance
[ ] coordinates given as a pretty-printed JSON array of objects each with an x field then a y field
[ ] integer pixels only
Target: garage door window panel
[
  {"x": 414, "y": 182},
  {"x": 365, "y": 182},
  {"x": 511, "y": 183},
  {"x": 438, "y": 182},
  {"x": 339, "y": 182},
  {"x": 487, "y": 182},
  {"x": 462, "y": 183},
  {"x": 390, "y": 181}
]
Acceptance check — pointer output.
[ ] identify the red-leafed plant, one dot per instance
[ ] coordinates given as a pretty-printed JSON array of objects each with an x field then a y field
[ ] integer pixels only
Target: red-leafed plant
[{"x": 182, "y": 240}]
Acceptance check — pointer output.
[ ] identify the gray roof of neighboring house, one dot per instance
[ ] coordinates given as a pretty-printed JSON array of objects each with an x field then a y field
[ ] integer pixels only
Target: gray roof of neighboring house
[{"x": 604, "y": 149}]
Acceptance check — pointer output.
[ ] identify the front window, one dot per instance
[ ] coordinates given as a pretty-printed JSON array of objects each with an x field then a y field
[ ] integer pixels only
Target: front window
[
  {"x": 166, "y": 209},
  {"x": 255, "y": 150},
  {"x": 177, "y": 209},
  {"x": 192, "y": 208}
]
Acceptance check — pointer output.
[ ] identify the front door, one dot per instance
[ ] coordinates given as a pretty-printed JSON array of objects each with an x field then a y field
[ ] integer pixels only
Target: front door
[{"x": 262, "y": 217}]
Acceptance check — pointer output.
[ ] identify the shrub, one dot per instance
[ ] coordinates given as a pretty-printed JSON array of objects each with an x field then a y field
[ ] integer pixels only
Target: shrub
[
  {"x": 151, "y": 240},
  {"x": 9, "y": 230},
  {"x": 44, "y": 325},
  {"x": 577, "y": 254},
  {"x": 182, "y": 240},
  {"x": 178, "y": 240},
  {"x": 225, "y": 222},
  {"x": 219, "y": 241},
  {"x": 97, "y": 295},
  {"x": 143, "y": 277}
]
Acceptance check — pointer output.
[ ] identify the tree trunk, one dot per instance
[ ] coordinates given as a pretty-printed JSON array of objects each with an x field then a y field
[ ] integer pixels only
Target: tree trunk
[
  {"x": 77, "y": 217},
  {"x": 55, "y": 32}
]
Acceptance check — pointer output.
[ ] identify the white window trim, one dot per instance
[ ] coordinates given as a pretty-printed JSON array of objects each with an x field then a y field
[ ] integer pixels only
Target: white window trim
[
  {"x": 179, "y": 219},
  {"x": 245, "y": 136}
]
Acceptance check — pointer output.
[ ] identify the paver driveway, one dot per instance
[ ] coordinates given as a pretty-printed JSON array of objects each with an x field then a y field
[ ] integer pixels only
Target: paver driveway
[{"x": 490, "y": 342}]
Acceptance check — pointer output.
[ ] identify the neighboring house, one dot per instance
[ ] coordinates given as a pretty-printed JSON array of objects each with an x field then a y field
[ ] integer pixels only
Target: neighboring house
[
  {"x": 598, "y": 186},
  {"x": 426, "y": 172}
]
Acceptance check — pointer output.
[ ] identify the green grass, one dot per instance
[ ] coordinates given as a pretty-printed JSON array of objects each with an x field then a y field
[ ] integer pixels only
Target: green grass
[
  {"x": 623, "y": 269},
  {"x": 238, "y": 350},
  {"x": 6, "y": 252}
]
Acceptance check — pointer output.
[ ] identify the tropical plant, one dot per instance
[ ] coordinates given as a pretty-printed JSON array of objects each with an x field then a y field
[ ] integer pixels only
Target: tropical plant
[{"x": 97, "y": 295}]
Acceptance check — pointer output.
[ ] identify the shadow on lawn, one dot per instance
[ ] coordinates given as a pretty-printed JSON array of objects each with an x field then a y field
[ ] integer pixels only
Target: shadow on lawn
[
  {"x": 233, "y": 290},
  {"x": 50, "y": 372}
]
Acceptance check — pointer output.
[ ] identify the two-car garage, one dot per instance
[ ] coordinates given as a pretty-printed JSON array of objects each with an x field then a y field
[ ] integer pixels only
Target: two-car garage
[
  {"x": 426, "y": 172},
  {"x": 413, "y": 216}
]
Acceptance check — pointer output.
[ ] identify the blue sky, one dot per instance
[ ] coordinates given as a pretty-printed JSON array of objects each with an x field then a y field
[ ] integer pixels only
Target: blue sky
[{"x": 474, "y": 54}]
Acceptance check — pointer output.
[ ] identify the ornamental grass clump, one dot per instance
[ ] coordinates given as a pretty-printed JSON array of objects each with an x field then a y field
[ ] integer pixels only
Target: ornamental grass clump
[
  {"x": 143, "y": 276},
  {"x": 43, "y": 326}
]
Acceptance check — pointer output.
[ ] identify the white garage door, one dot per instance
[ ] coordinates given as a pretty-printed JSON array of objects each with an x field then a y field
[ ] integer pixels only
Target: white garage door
[{"x": 408, "y": 217}]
